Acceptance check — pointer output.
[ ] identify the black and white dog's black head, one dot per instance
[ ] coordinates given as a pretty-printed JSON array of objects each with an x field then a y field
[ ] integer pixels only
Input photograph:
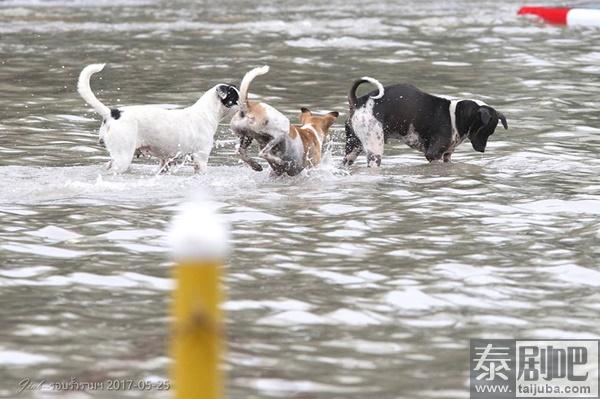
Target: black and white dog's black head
[
  {"x": 229, "y": 95},
  {"x": 478, "y": 121}
]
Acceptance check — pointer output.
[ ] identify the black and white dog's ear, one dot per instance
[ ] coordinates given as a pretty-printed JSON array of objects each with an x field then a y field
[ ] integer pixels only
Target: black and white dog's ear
[
  {"x": 483, "y": 124},
  {"x": 485, "y": 115},
  {"x": 503, "y": 120},
  {"x": 222, "y": 91},
  {"x": 228, "y": 94}
]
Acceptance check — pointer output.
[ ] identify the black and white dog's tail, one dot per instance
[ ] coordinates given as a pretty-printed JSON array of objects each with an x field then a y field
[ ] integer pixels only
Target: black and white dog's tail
[
  {"x": 84, "y": 89},
  {"x": 352, "y": 94},
  {"x": 245, "y": 85}
]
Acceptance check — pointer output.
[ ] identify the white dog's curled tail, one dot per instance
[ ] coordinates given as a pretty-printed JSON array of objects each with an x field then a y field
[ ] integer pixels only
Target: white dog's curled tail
[
  {"x": 84, "y": 89},
  {"x": 245, "y": 85},
  {"x": 352, "y": 94}
]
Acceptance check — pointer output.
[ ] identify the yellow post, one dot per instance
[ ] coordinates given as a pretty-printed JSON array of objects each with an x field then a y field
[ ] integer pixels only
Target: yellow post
[{"x": 199, "y": 238}]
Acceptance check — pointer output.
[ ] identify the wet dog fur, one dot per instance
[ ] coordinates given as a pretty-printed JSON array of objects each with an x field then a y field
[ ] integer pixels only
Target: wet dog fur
[
  {"x": 168, "y": 134},
  {"x": 431, "y": 124},
  {"x": 287, "y": 148}
]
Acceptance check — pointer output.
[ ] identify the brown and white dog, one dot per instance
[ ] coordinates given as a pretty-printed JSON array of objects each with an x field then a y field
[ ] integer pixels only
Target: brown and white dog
[{"x": 287, "y": 148}]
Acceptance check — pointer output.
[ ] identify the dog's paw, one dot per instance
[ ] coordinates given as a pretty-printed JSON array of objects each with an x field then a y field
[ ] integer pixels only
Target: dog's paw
[{"x": 256, "y": 166}]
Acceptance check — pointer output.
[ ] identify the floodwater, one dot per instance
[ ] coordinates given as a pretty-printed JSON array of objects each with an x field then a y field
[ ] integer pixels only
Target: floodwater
[{"x": 342, "y": 283}]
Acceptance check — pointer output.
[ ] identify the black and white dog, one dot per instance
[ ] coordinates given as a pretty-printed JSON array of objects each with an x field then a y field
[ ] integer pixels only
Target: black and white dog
[
  {"x": 167, "y": 134},
  {"x": 431, "y": 124}
]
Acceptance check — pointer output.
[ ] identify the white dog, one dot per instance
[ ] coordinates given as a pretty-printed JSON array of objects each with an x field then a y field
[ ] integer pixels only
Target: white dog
[{"x": 164, "y": 133}]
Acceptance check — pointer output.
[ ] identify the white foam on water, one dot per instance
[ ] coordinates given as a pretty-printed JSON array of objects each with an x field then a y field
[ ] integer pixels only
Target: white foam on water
[
  {"x": 294, "y": 317},
  {"x": 555, "y": 333},
  {"x": 254, "y": 216},
  {"x": 457, "y": 299},
  {"x": 335, "y": 28},
  {"x": 451, "y": 63},
  {"x": 563, "y": 206},
  {"x": 142, "y": 248},
  {"x": 352, "y": 318},
  {"x": 128, "y": 280},
  {"x": 15, "y": 210},
  {"x": 470, "y": 274},
  {"x": 56, "y": 281},
  {"x": 26, "y": 272},
  {"x": 341, "y": 209},
  {"x": 370, "y": 276},
  {"x": 437, "y": 321},
  {"x": 576, "y": 275},
  {"x": 496, "y": 320},
  {"x": 156, "y": 283},
  {"x": 292, "y": 387},
  {"x": 93, "y": 185},
  {"x": 345, "y": 42},
  {"x": 55, "y": 234},
  {"x": 43, "y": 250},
  {"x": 19, "y": 358},
  {"x": 335, "y": 277},
  {"x": 98, "y": 280},
  {"x": 32, "y": 330},
  {"x": 345, "y": 249},
  {"x": 73, "y": 3},
  {"x": 133, "y": 234},
  {"x": 268, "y": 272},
  {"x": 279, "y": 305},
  {"x": 413, "y": 299},
  {"x": 369, "y": 347}
]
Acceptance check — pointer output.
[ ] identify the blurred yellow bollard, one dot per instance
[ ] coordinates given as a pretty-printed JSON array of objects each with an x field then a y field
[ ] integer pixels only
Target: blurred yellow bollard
[{"x": 200, "y": 241}]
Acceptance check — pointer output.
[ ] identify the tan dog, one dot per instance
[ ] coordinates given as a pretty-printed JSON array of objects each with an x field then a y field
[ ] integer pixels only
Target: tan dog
[
  {"x": 313, "y": 131},
  {"x": 287, "y": 148}
]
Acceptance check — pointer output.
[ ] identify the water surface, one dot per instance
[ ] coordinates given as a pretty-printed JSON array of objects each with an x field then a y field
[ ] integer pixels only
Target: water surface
[{"x": 342, "y": 283}]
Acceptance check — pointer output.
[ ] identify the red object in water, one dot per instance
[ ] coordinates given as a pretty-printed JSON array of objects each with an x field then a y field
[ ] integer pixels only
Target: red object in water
[{"x": 553, "y": 15}]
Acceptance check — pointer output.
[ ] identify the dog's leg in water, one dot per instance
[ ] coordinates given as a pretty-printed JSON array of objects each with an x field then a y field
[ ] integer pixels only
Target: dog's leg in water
[
  {"x": 447, "y": 157},
  {"x": 120, "y": 161},
  {"x": 245, "y": 142},
  {"x": 200, "y": 161},
  {"x": 373, "y": 144},
  {"x": 163, "y": 167},
  {"x": 165, "y": 164},
  {"x": 353, "y": 146},
  {"x": 121, "y": 145},
  {"x": 373, "y": 160},
  {"x": 351, "y": 156},
  {"x": 268, "y": 155}
]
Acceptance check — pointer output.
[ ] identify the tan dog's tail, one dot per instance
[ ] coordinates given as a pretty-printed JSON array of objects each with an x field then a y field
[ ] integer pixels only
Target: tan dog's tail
[
  {"x": 352, "y": 94},
  {"x": 248, "y": 78},
  {"x": 84, "y": 89}
]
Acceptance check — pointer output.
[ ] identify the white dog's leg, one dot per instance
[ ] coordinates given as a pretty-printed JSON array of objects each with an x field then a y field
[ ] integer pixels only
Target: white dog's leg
[
  {"x": 200, "y": 161},
  {"x": 370, "y": 133},
  {"x": 374, "y": 146},
  {"x": 120, "y": 141}
]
